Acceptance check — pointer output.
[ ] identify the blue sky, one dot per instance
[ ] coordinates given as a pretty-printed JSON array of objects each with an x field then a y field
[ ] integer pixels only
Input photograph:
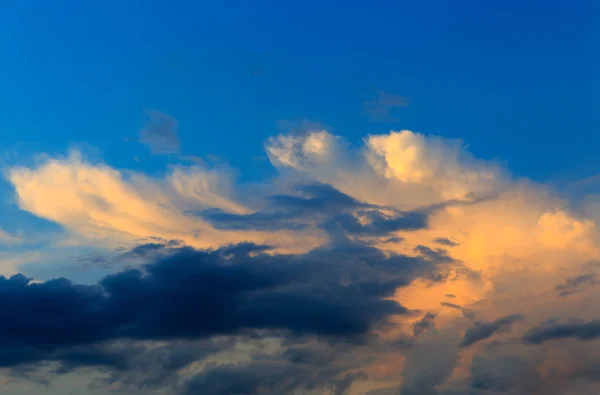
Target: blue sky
[
  {"x": 485, "y": 72},
  {"x": 275, "y": 192}
]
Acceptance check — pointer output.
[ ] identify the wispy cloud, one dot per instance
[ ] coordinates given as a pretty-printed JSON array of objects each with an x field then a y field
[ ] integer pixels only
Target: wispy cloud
[
  {"x": 9, "y": 239},
  {"x": 160, "y": 133},
  {"x": 381, "y": 108}
]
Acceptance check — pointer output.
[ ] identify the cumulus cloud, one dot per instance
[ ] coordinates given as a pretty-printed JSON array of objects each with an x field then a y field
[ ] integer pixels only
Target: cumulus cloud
[
  {"x": 411, "y": 168},
  {"x": 400, "y": 265}
]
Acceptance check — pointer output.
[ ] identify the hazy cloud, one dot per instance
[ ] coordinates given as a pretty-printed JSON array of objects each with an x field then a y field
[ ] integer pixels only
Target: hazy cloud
[
  {"x": 160, "y": 133},
  {"x": 380, "y": 108}
]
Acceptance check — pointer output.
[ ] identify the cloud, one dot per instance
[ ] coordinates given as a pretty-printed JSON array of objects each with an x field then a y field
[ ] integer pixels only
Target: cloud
[
  {"x": 430, "y": 362},
  {"x": 97, "y": 202},
  {"x": 424, "y": 323},
  {"x": 380, "y": 108},
  {"x": 9, "y": 239},
  {"x": 574, "y": 284},
  {"x": 323, "y": 207},
  {"x": 160, "y": 133},
  {"x": 445, "y": 241},
  {"x": 209, "y": 188},
  {"x": 397, "y": 168},
  {"x": 269, "y": 377},
  {"x": 546, "y": 332},
  {"x": 442, "y": 165},
  {"x": 367, "y": 246},
  {"x": 193, "y": 294},
  {"x": 501, "y": 372},
  {"x": 484, "y": 330}
]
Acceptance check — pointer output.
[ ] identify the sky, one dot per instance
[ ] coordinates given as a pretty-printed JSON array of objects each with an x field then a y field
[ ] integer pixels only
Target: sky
[{"x": 239, "y": 198}]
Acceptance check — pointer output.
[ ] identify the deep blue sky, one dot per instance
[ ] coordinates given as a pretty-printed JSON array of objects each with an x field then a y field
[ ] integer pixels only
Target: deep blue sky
[{"x": 516, "y": 80}]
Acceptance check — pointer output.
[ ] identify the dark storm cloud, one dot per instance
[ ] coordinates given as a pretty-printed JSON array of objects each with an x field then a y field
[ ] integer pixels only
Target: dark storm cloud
[
  {"x": 484, "y": 330},
  {"x": 336, "y": 292},
  {"x": 160, "y": 133},
  {"x": 550, "y": 331},
  {"x": 325, "y": 207}
]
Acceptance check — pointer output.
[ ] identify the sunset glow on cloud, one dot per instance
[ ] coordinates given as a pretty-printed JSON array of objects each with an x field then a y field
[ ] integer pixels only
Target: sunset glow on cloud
[
  {"x": 202, "y": 201},
  {"x": 449, "y": 244}
]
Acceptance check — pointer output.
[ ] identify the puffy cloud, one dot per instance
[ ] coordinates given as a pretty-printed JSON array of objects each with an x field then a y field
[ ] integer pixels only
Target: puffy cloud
[
  {"x": 385, "y": 260},
  {"x": 441, "y": 165},
  {"x": 406, "y": 167}
]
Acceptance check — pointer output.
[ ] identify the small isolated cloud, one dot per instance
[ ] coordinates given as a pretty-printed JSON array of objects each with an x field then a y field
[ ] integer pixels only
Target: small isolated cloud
[
  {"x": 445, "y": 241},
  {"x": 160, "y": 133},
  {"x": 380, "y": 109}
]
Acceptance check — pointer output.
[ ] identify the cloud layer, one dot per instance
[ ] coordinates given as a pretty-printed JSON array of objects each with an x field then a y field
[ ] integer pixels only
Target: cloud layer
[{"x": 402, "y": 266}]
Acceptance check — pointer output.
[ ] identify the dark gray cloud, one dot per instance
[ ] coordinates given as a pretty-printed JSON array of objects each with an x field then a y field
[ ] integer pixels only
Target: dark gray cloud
[
  {"x": 498, "y": 372},
  {"x": 552, "y": 330},
  {"x": 322, "y": 206},
  {"x": 438, "y": 254},
  {"x": 160, "y": 133},
  {"x": 336, "y": 292},
  {"x": 517, "y": 369},
  {"x": 484, "y": 330},
  {"x": 424, "y": 323},
  {"x": 294, "y": 369},
  {"x": 445, "y": 241},
  {"x": 376, "y": 224},
  {"x": 466, "y": 312}
]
